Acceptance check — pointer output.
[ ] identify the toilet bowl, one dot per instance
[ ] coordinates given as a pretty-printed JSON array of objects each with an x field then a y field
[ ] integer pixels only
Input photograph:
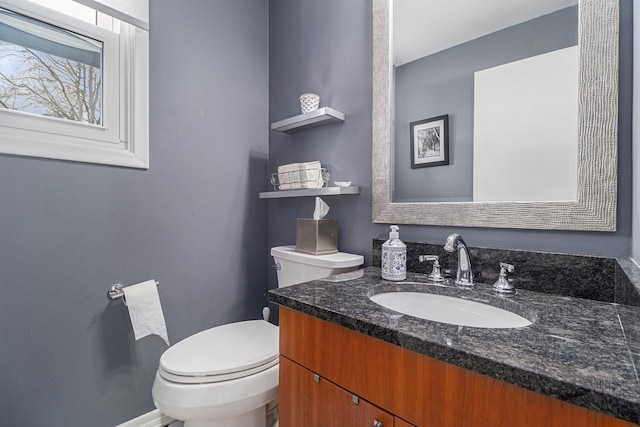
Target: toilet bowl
[
  {"x": 227, "y": 376},
  {"x": 218, "y": 375}
]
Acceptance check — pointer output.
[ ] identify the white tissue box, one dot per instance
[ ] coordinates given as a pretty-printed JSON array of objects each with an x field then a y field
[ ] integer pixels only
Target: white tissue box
[
  {"x": 295, "y": 176},
  {"x": 317, "y": 236}
]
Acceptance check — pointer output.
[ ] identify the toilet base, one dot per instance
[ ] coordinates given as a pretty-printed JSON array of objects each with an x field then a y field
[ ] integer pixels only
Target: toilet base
[
  {"x": 242, "y": 402},
  {"x": 266, "y": 416},
  {"x": 255, "y": 418}
]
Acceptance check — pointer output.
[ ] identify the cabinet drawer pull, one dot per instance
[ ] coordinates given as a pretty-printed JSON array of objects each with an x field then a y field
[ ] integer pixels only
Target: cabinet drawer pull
[{"x": 376, "y": 423}]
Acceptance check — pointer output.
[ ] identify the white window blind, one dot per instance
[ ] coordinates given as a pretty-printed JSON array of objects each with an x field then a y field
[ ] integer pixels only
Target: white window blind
[{"x": 135, "y": 12}]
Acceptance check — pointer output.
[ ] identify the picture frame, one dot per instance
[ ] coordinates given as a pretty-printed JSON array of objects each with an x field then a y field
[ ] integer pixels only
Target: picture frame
[{"x": 430, "y": 142}]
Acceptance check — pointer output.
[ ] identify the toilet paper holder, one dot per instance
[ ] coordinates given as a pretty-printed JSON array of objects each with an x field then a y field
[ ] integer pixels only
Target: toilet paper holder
[{"x": 116, "y": 293}]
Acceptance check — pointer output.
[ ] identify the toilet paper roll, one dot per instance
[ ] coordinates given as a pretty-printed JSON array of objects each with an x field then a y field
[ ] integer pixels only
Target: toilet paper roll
[{"x": 145, "y": 310}]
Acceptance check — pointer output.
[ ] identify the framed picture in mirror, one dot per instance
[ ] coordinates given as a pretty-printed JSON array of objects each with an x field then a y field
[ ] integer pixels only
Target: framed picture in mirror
[{"x": 430, "y": 142}]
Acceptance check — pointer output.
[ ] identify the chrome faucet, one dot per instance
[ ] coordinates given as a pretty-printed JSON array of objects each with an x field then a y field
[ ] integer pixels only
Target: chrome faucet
[{"x": 464, "y": 274}]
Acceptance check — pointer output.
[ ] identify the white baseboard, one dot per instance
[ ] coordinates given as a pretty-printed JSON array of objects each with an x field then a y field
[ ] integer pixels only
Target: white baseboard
[{"x": 154, "y": 418}]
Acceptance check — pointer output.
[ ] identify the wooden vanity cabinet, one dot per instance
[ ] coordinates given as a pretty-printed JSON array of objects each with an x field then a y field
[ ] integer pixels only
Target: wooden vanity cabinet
[
  {"x": 401, "y": 423},
  {"x": 400, "y": 384}
]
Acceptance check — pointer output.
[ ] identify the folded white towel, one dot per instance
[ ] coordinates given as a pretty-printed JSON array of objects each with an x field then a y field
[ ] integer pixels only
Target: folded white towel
[
  {"x": 288, "y": 176},
  {"x": 312, "y": 175},
  {"x": 295, "y": 176}
]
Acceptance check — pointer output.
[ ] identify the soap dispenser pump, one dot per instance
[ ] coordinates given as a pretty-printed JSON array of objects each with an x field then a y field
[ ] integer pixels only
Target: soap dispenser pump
[{"x": 394, "y": 256}]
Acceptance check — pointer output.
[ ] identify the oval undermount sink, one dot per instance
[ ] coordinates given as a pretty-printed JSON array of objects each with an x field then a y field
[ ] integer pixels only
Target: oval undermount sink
[{"x": 452, "y": 310}]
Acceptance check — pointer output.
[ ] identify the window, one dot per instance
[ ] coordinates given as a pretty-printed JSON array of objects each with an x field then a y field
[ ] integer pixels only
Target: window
[
  {"x": 73, "y": 85},
  {"x": 49, "y": 71}
]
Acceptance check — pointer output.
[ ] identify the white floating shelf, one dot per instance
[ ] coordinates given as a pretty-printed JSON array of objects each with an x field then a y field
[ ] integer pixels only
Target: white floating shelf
[
  {"x": 328, "y": 191},
  {"x": 320, "y": 117}
]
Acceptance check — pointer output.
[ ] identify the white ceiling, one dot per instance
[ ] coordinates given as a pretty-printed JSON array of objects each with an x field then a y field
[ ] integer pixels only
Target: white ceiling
[{"x": 424, "y": 27}]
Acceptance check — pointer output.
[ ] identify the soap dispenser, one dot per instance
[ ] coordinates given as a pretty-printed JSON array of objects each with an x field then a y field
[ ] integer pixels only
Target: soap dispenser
[{"x": 394, "y": 257}]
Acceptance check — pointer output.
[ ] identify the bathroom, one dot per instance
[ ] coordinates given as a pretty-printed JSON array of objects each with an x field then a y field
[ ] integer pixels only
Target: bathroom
[{"x": 220, "y": 72}]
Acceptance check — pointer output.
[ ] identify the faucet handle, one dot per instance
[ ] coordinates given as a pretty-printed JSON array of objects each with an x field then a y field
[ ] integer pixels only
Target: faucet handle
[
  {"x": 506, "y": 268},
  {"x": 436, "y": 275},
  {"x": 503, "y": 286}
]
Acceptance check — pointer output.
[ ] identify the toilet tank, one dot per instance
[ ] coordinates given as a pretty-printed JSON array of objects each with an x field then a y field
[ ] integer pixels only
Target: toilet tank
[{"x": 296, "y": 267}]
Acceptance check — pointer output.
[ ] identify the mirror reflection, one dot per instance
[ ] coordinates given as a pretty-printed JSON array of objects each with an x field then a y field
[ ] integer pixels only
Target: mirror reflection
[{"x": 504, "y": 74}]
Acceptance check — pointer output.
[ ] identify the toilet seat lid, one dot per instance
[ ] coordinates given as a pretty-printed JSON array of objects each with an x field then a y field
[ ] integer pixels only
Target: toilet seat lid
[{"x": 225, "y": 352}]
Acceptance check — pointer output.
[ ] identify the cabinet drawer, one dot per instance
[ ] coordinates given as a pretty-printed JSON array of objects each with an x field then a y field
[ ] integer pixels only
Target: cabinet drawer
[
  {"x": 306, "y": 399},
  {"x": 401, "y": 423}
]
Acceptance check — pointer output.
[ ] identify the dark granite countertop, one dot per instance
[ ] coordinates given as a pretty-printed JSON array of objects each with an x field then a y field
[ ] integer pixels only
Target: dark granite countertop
[{"x": 577, "y": 350}]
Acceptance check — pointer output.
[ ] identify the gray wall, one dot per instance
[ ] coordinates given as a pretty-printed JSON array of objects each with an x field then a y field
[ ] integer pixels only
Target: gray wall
[
  {"x": 635, "y": 246},
  {"x": 443, "y": 83},
  {"x": 325, "y": 47},
  {"x": 192, "y": 221}
]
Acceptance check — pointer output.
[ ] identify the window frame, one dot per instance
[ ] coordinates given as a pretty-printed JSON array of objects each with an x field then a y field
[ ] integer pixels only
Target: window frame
[{"x": 123, "y": 137}]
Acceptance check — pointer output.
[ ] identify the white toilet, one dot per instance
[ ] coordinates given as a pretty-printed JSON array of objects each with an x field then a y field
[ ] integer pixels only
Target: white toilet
[{"x": 227, "y": 376}]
